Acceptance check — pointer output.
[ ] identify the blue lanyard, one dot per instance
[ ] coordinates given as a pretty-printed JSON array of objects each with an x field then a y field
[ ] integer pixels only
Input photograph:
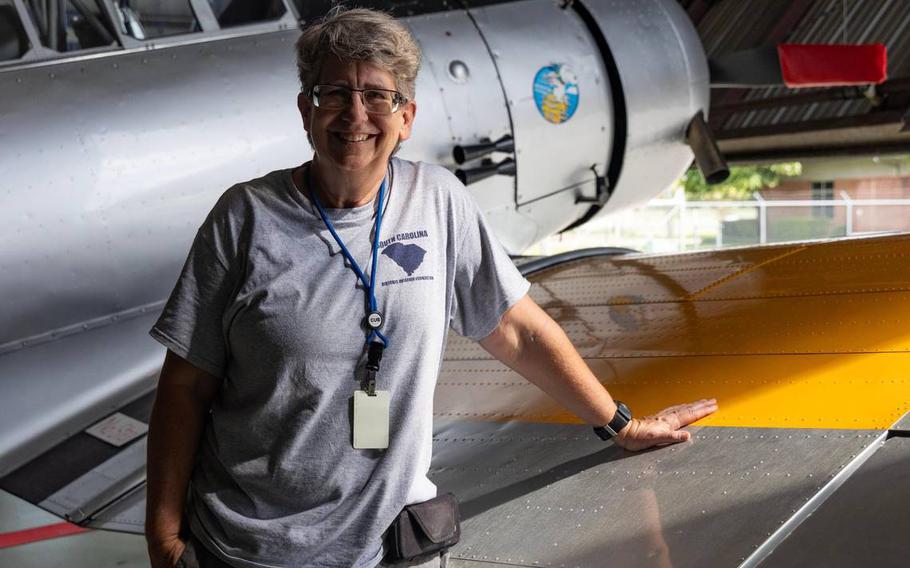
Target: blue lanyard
[{"x": 371, "y": 283}]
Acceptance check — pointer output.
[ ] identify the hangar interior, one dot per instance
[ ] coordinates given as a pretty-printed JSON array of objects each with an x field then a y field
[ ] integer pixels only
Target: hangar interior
[{"x": 805, "y": 344}]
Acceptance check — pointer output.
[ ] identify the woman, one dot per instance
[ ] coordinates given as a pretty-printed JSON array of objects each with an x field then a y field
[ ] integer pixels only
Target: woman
[{"x": 299, "y": 281}]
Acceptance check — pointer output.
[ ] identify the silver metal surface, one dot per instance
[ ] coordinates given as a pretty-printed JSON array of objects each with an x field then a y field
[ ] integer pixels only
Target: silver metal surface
[
  {"x": 811, "y": 506},
  {"x": 92, "y": 549},
  {"x": 902, "y": 426},
  {"x": 126, "y": 514},
  {"x": 556, "y": 495},
  {"x": 550, "y": 156},
  {"x": 17, "y": 514},
  {"x": 55, "y": 389},
  {"x": 550, "y": 213},
  {"x": 664, "y": 75},
  {"x": 123, "y": 189},
  {"x": 862, "y": 524},
  {"x": 461, "y": 110},
  {"x": 118, "y": 155},
  {"x": 101, "y": 486}
]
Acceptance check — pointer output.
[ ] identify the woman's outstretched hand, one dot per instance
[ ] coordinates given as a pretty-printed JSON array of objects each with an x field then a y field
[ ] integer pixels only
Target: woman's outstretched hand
[{"x": 664, "y": 427}]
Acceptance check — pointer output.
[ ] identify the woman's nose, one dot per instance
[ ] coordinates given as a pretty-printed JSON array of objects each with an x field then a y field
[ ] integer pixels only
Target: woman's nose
[{"x": 356, "y": 111}]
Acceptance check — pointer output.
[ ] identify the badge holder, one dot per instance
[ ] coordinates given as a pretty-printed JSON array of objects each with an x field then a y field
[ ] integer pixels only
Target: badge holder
[{"x": 371, "y": 407}]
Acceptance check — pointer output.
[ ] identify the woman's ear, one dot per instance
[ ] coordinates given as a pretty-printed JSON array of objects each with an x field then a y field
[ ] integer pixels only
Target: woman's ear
[{"x": 408, "y": 112}]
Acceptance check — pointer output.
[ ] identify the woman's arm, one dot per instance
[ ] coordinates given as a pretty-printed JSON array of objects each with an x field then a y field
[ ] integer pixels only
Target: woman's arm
[
  {"x": 184, "y": 397},
  {"x": 534, "y": 346}
]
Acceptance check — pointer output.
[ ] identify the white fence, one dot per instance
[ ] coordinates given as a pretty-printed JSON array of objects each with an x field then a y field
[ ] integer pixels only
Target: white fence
[{"x": 676, "y": 224}]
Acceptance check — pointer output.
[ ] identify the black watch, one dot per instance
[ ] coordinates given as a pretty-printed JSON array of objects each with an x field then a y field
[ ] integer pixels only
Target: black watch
[{"x": 622, "y": 418}]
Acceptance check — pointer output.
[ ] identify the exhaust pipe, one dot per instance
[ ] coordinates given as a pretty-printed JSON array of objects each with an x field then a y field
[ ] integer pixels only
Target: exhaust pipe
[
  {"x": 486, "y": 169},
  {"x": 464, "y": 154},
  {"x": 707, "y": 155}
]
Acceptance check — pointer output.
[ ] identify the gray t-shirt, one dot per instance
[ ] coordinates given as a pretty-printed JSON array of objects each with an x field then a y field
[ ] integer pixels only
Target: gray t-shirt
[{"x": 267, "y": 301}]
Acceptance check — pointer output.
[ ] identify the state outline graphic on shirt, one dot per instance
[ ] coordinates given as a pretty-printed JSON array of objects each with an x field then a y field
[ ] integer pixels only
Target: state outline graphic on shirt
[{"x": 407, "y": 255}]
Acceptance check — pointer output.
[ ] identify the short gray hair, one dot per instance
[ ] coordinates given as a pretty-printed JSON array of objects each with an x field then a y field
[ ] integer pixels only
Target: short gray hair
[{"x": 359, "y": 34}]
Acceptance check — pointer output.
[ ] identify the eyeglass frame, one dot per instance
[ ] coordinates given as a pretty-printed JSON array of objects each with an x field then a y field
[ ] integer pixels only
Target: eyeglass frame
[{"x": 398, "y": 99}]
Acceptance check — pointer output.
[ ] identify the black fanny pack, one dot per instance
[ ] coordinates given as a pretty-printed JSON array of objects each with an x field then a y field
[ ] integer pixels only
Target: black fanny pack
[{"x": 423, "y": 530}]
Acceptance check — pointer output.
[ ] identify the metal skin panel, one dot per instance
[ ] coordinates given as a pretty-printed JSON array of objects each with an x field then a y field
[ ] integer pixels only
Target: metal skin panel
[
  {"x": 139, "y": 147},
  {"x": 664, "y": 73},
  {"x": 100, "y": 487},
  {"x": 783, "y": 336},
  {"x": 863, "y": 524},
  {"x": 556, "y": 495},
  {"x": 471, "y": 108},
  {"x": 142, "y": 145},
  {"x": 627, "y": 330},
  {"x": 786, "y": 391},
  {"x": 902, "y": 426},
  {"x": 548, "y": 212},
  {"x": 550, "y": 157},
  {"x": 778, "y": 346},
  {"x": 90, "y": 549},
  {"x": 125, "y": 515},
  {"x": 53, "y": 390}
]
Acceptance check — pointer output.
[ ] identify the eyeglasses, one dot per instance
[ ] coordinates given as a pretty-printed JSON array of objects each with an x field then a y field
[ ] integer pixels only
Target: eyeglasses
[{"x": 375, "y": 101}]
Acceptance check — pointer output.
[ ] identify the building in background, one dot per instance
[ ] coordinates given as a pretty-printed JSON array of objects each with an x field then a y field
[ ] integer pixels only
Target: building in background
[
  {"x": 866, "y": 179},
  {"x": 842, "y": 197}
]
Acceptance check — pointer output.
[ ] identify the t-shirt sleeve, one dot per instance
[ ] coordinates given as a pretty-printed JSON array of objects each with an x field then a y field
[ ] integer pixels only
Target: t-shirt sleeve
[
  {"x": 191, "y": 323},
  {"x": 487, "y": 282}
]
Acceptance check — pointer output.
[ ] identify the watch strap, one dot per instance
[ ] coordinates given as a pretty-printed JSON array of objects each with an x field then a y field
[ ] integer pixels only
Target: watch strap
[{"x": 622, "y": 418}]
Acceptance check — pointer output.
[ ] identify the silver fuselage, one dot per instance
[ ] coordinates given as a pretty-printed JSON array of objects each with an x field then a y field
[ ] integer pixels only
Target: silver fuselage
[{"x": 112, "y": 158}]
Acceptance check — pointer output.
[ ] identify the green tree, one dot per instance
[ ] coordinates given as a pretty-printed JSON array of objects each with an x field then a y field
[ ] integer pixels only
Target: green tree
[{"x": 742, "y": 183}]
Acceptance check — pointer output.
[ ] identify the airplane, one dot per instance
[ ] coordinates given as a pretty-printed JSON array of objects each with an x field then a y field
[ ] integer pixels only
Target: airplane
[{"x": 123, "y": 121}]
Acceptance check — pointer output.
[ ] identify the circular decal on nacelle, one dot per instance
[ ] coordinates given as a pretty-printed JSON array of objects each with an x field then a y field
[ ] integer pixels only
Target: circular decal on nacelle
[{"x": 556, "y": 93}]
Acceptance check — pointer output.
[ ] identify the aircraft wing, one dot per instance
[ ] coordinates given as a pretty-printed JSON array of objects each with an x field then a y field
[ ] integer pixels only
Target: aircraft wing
[{"x": 805, "y": 346}]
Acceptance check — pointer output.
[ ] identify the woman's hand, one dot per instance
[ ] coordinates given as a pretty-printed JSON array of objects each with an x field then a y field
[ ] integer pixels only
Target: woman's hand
[
  {"x": 165, "y": 553},
  {"x": 664, "y": 427}
]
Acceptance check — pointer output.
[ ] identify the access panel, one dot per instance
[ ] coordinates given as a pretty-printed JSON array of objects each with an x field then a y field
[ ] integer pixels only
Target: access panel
[
  {"x": 459, "y": 101},
  {"x": 557, "y": 91}
]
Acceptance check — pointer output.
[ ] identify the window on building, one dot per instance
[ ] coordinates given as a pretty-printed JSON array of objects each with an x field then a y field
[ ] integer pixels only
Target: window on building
[
  {"x": 823, "y": 190},
  {"x": 13, "y": 40},
  {"x": 149, "y": 19},
  {"x": 71, "y": 25},
  {"x": 232, "y": 13}
]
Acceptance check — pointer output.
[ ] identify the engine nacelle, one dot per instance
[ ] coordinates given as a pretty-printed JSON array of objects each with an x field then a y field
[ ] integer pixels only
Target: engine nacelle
[{"x": 594, "y": 94}]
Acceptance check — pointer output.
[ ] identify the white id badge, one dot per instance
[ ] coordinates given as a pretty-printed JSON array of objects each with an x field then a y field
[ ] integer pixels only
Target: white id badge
[{"x": 371, "y": 420}]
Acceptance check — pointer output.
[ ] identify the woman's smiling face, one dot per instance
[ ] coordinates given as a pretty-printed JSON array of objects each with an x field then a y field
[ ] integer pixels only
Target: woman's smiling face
[{"x": 351, "y": 139}]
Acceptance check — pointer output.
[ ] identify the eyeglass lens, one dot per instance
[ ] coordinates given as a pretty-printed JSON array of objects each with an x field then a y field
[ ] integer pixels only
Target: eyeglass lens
[{"x": 333, "y": 97}]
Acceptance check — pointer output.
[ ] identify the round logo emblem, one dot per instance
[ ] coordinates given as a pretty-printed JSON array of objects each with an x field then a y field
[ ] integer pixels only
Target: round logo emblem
[
  {"x": 374, "y": 320},
  {"x": 556, "y": 93}
]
